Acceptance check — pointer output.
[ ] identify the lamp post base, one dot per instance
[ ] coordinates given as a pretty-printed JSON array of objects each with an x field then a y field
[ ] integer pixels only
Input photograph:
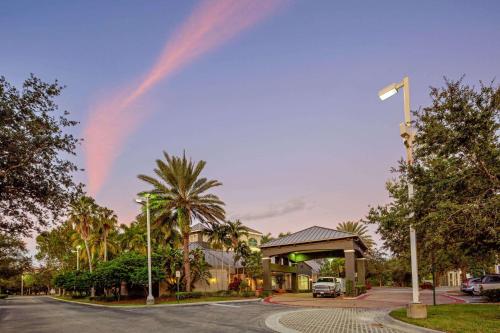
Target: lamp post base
[
  {"x": 150, "y": 300},
  {"x": 416, "y": 311}
]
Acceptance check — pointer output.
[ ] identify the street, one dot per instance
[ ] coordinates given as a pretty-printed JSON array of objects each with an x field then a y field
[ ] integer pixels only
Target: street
[{"x": 43, "y": 314}]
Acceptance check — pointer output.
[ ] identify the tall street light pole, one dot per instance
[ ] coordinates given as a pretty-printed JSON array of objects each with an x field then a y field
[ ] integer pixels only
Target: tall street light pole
[
  {"x": 415, "y": 309},
  {"x": 150, "y": 299}
]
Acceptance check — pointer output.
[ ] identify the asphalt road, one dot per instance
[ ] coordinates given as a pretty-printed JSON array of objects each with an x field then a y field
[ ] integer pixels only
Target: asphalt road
[{"x": 43, "y": 314}]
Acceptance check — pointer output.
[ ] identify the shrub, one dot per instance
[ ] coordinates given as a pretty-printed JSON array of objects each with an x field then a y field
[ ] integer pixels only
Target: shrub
[
  {"x": 265, "y": 294},
  {"x": 235, "y": 285},
  {"x": 247, "y": 293},
  {"x": 360, "y": 289},
  {"x": 186, "y": 295},
  {"x": 3, "y": 296},
  {"x": 493, "y": 295},
  {"x": 349, "y": 288}
]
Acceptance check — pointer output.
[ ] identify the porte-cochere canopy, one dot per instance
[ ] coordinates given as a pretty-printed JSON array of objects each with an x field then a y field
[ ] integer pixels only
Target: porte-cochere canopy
[{"x": 313, "y": 243}]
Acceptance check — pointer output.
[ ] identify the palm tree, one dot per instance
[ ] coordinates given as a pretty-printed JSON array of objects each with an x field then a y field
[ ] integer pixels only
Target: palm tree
[
  {"x": 218, "y": 238},
  {"x": 235, "y": 230},
  {"x": 179, "y": 189},
  {"x": 241, "y": 251},
  {"x": 133, "y": 237},
  {"x": 104, "y": 223},
  {"x": 359, "y": 230},
  {"x": 82, "y": 214}
]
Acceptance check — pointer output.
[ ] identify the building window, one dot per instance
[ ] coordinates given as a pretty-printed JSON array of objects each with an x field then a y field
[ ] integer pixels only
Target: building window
[{"x": 252, "y": 242}]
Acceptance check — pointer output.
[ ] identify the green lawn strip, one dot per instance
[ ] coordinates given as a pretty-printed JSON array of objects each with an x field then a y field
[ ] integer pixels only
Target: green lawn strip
[
  {"x": 141, "y": 302},
  {"x": 457, "y": 318}
]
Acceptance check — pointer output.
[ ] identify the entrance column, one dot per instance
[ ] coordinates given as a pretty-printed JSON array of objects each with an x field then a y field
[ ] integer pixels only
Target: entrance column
[
  {"x": 350, "y": 270},
  {"x": 361, "y": 269},
  {"x": 266, "y": 272},
  {"x": 295, "y": 283}
]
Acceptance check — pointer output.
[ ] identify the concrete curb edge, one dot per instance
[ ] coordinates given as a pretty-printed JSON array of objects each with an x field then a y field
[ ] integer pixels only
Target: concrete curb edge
[{"x": 155, "y": 305}]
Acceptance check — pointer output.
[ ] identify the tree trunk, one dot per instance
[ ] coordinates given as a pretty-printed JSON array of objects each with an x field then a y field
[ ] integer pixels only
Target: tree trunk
[
  {"x": 187, "y": 266},
  {"x": 92, "y": 289},
  {"x": 105, "y": 248}
]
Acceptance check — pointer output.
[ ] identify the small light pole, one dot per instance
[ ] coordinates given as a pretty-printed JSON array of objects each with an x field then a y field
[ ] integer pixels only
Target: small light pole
[
  {"x": 150, "y": 299},
  {"x": 78, "y": 247},
  {"x": 415, "y": 309}
]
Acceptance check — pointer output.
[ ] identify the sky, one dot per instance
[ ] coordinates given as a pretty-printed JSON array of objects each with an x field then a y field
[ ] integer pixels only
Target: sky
[{"x": 279, "y": 97}]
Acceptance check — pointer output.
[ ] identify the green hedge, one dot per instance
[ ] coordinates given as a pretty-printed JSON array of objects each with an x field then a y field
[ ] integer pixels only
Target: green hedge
[
  {"x": 188, "y": 295},
  {"x": 3, "y": 296},
  {"x": 493, "y": 295}
]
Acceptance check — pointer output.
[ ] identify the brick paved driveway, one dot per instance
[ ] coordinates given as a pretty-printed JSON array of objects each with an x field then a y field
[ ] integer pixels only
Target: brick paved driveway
[{"x": 377, "y": 298}]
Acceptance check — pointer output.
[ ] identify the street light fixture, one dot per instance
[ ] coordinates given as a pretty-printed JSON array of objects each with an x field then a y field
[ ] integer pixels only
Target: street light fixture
[
  {"x": 415, "y": 309},
  {"x": 78, "y": 247},
  {"x": 145, "y": 201}
]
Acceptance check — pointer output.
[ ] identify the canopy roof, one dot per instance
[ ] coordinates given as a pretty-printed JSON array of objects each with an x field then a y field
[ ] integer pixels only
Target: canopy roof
[{"x": 309, "y": 235}]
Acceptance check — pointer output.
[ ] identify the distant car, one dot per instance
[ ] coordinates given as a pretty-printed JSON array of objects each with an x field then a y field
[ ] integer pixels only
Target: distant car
[
  {"x": 326, "y": 286},
  {"x": 467, "y": 286},
  {"x": 491, "y": 281}
]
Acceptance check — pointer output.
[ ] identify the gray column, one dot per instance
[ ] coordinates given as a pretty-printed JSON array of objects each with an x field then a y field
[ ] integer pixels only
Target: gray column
[
  {"x": 266, "y": 272},
  {"x": 361, "y": 270},
  {"x": 350, "y": 270}
]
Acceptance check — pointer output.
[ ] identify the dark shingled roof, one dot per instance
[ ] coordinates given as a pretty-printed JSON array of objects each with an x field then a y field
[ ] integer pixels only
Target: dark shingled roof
[
  {"x": 201, "y": 227},
  {"x": 312, "y": 234}
]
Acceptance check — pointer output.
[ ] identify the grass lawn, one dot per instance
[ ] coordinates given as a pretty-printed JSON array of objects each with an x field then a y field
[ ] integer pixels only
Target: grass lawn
[
  {"x": 457, "y": 318},
  {"x": 136, "y": 302}
]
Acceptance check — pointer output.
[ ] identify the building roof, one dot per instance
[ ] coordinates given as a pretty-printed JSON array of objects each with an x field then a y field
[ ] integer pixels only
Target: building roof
[
  {"x": 312, "y": 234},
  {"x": 215, "y": 257},
  {"x": 201, "y": 227}
]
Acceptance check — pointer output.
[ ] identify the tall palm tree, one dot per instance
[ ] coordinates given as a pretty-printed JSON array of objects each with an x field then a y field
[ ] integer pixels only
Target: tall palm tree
[
  {"x": 358, "y": 229},
  {"x": 218, "y": 238},
  {"x": 82, "y": 214},
  {"x": 104, "y": 223},
  {"x": 178, "y": 188},
  {"x": 235, "y": 230}
]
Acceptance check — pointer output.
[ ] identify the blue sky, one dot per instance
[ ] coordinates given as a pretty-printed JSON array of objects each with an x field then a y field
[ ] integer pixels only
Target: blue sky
[{"x": 286, "y": 113}]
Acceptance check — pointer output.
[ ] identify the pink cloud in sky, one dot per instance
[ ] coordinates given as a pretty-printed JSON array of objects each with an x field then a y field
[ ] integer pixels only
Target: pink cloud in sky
[{"x": 112, "y": 120}]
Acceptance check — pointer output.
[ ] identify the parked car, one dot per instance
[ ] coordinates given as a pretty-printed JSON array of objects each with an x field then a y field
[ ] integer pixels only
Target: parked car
[
  {"x": 326, "y": 286},
  {"x": 491, "y": 281},
  {"x": 468, "y": 285}
]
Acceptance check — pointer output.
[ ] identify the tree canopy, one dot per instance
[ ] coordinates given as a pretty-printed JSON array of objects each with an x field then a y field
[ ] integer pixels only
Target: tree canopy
[
  {"x": 36, "y": 181},
  {"x": 456, "y": 178}
]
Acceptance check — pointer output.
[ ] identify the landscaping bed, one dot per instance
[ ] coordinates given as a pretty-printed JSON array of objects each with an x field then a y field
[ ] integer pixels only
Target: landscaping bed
[
  {"x": 161, "y": 300},
  {"x": 455, "y": 318}
]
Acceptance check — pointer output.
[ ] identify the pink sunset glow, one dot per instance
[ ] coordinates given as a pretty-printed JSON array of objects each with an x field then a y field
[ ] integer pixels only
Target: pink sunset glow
[{"x": 112, "y": 120}]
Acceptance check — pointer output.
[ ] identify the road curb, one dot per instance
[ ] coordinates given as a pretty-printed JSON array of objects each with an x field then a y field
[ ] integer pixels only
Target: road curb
[
  {"x": 392, "y": 322},
  {"x": 155, "y": 305}
]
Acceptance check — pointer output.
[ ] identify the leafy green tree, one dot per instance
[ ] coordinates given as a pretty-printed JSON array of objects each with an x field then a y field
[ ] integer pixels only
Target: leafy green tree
[
  {"x": 54, "y": 248},
  {"x": 180, "y": 189},
  {"x": 333, "y": 267},
  {"x": 253, "y": 265},
  {"x": 358, "y": 229},
  {"x": 455, "y": 176},
  {"x": 36, "y": 181},
  {"x": 13, "y": 258}
]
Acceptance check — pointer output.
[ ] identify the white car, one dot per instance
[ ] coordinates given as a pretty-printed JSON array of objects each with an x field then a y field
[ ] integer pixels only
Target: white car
[
  {"x": 327, "y": 286},
  {"x": 487, "y": 282}
]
